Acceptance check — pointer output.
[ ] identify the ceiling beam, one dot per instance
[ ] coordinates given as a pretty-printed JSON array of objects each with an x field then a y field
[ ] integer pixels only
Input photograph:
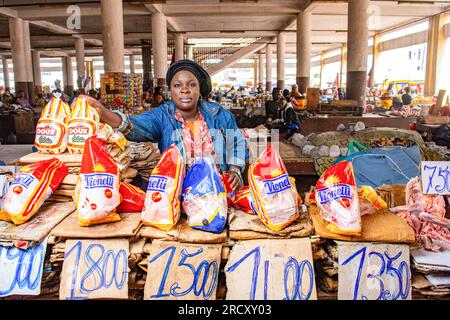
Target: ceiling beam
[{"x": 171, "y": 23}]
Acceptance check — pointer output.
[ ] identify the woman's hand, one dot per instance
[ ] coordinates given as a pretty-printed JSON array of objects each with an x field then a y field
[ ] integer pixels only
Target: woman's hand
[
  {"x": 97, "y": 105},
  {"x": 235, "y": 180},
  {"x": 106, "y": 116}
]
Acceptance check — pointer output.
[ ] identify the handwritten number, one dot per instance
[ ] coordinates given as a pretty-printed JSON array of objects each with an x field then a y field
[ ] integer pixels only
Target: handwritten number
[
  {"x": 257, "y": 254},
  {"x": 361, "y": 264},
  {"x": 430, "y": 179}
]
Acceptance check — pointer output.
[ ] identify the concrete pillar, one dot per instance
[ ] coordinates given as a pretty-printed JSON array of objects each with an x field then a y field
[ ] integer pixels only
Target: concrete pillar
[
  {"x": 68, "y": 75},
  {"x": 37, "y": 71},
  {"x": 190, "y": 53},
  {"x": 28, "y": 59},
  {"x": 255, "y": 73},
  {"x": 113, "y": 40},
  {"x": 269, "y": 67},
  {"x": 159, "y": 43},
  {"x": 132, "y": 64},
  {"x": 343, "y": 65},
  {"x": 179, "y": 46},
  {"x": 6, "y": 78},
  {"x": 357, "y": 39},
  {"x": 436, "y": 55},
  {"x": 260, "y": 69},
  {"x": 375, "y": 58},
  {"x": 322, "y": 65},
  {"x": 18, "y": 55},
  {"x": 281, "y": 57},
  {"x": 303, "y": 50},
  {"x": 80, "y": 55}
]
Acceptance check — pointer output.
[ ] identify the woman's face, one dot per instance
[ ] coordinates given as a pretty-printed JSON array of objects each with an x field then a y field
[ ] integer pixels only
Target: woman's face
[{"x": 185, "y": 91}]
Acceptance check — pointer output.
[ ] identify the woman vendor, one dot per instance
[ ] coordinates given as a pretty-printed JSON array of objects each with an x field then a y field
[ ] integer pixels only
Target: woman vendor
[{"x": 197, "y": 127}]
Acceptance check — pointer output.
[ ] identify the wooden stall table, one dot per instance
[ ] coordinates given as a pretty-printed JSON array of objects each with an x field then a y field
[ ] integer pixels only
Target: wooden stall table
[{"x": 296, "y": 163}]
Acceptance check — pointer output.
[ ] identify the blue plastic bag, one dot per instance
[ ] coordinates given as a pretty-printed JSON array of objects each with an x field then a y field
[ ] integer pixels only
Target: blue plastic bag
[{"x": 204, "y": 198}]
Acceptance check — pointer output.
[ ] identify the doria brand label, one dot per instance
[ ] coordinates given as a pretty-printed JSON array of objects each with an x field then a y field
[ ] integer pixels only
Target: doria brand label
[
  {"x": 278, "y": 184},
  {"x": 157, "y": 183},
  {"x": 336, "y": 192},
  {"x": 99, "y": 180},
  {"x": 49, "y": 134}
]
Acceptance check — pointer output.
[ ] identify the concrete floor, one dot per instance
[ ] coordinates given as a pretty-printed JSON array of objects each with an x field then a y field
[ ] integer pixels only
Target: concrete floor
[{"x": 11, "y": 154}]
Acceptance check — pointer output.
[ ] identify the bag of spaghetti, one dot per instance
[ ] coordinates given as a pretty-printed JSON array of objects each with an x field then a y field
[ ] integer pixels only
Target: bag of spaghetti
[
  {"x": 337, "y": 199},
  {"x": 274, "y": 193},
  {"x": 97, "y": 192},
  {"x": 162, "y": 203},
  {"x": 204, "y": 199},
  {"x": 133, "y": 199},
  {"x": 244, "y": 201},
  {"x": 51, "y": 130},
  {"x": 83, "y": 124},
  {"x": 31, "y": 186}
]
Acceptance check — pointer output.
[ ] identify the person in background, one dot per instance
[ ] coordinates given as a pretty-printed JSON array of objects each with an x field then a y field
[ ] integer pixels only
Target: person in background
[
  {"x": 22, "y": 100},
  {"x": 341, "y": 94},
  {"x": 289, "y": 98},
  {"x": 272, "y": 106},
  {"x": 40, "y": 101},
  {"x": 287, "y": 121},
  {"x": 260, "y": 90},
  {"x": 406, "y": 97},
  {"x": 73, "y": 97},
  {"x": 158, "y": 98}
]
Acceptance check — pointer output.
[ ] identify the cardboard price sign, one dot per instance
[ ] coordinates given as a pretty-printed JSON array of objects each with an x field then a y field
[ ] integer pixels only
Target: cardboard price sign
[
  {"x": 435, "y": 177},
  {"x": 374, "y": 271},
  {"x": 271, "y": 270},
  {"x": 21, "y": 270},
  {"x": 182, "y": 271},
  {"x": 95, "y": 269}
]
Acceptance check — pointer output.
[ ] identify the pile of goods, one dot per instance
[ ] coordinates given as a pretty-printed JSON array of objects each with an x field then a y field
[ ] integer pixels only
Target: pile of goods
[{"x": 122, "y": 89}]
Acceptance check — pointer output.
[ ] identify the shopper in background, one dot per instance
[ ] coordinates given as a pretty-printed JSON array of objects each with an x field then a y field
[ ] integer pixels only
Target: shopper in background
[
  {"x": 40, "y": 101},
  {"x": 406, "y": 97},
  {"x": 21, "y": 100},
  {"x": 272, "y": 106}
]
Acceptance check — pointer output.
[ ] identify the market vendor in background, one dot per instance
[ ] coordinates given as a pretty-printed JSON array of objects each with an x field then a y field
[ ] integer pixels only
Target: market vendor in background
[
  {"x": 199, "y": 128},
  {"x": 272, "y": 105},
  {"x": 287, "y": 121},
  {"x": 406, "y": 97}
]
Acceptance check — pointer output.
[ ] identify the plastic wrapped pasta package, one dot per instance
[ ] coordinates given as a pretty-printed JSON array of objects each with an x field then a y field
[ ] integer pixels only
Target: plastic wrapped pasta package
[
  {"x": 337, "y": 199},
  {"x": 83, "y": 124},
  {"x": 162, "y": 203},
  {"x": 97, "y": 192},
  {"x": 203, "y": 197},
  {"x": 51, "y": 130},
  {"x": 244, "y": 201},
  {"x": 132, "y": 197},
  {"x": 31, "y": 186},
  {"x": 275, "y": 196}
]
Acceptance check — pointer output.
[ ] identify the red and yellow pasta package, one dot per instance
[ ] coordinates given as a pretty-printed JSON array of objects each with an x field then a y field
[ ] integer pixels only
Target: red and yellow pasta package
[
  {"x": 97, "y": 193},
  {"x": 369, "y": 201},
  {"x": 31, "y": 186},
  {"x": 337, "y": 199},
  {"x": 274, "y": 195},
  {"x": 83, "y": 124},
  {"x": 162, "y": 203},
  {"x": 51, "y": 130},
  {"x": 133, "y": 199},
  {"x": 244, "y": 201}
]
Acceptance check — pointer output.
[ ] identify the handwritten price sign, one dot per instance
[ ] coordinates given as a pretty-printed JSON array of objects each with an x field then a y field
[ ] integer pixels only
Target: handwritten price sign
[
  {"x": 435, "y": 177},
  {"x": 271, "y": 270},
  {"x": 95, "y": 269},
  {"x": 374, "y": 272},
  {"x": 182, "y": 271},
  {"x": 21, "y": 270}
]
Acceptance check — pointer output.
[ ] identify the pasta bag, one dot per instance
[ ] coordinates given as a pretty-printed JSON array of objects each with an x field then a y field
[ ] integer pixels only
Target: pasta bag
[
  {"x": 97, "y": 193},
  {"x": 204, "y": 199},
  {"x": 31, "y": 186},
  {"x": 337, "y": 199},
  {"x": 244, "y": 201},
  {"x": 83, "y": 124},
  {"x": 133, "y": 199},
  {"x": 274, "y": 194},
  {"x": 162, "y": 203},
  {"x": 51, "y": 130}
]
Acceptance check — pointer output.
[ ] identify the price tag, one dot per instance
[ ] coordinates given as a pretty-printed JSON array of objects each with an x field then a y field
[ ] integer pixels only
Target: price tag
[
  {"x": 95, "y": 269},
  {"x": 182, "y": 271},
  {"x": 435, "y": 177},
  {"x": 271, "y": 270},
  {"x": 21, "y": 270},
  {"x": 374, "y": 271}
]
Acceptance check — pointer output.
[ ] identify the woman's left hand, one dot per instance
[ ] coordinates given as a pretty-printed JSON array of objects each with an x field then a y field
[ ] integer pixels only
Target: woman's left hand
[{"x": 235, "y": 180}]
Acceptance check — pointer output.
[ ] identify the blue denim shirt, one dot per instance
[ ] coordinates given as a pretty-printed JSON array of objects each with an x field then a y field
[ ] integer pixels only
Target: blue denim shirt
[{"x": 159, "y": 125}]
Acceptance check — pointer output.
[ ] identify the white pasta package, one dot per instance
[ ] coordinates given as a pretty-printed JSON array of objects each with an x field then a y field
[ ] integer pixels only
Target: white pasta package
[
  {"x": 83, "y": 124},
  {"x": 204, "y": 199},
  {"x": 97, "y": 193},
  {"x": 51, "y": 130},
  {"x": 162, "y": 202}
]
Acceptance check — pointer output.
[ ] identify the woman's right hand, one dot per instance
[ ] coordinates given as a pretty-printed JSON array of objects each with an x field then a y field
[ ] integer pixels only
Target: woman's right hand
[
  {"x": 97, "y": 105},
  {"x": 106, "y": 116}
]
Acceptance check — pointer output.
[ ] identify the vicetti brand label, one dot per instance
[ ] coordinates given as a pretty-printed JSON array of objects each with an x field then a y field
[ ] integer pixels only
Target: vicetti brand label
[
  {"x": 278, "y": 184},
  {"x": 332, "y": 193},
  {"x": 157, "y": 184},
  {"x": 103, "y": 180}
]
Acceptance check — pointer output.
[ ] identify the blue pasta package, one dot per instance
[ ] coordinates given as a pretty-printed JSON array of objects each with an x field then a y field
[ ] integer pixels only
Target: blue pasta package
[{"x": 204, "y": 198}]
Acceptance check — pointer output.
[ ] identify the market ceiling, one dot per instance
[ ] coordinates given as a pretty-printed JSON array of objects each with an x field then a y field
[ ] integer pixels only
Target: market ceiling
[{"x": 211, "y": 19}]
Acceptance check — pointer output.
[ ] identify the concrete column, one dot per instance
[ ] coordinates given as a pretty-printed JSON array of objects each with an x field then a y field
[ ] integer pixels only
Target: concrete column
[
  {"x": 113, "y": 41},
  {"x": 260, "y": 69},
  {"x": 159, "y": 43},
  {"x": 343, "y": 65},
  {"x": 68, "y": 75},
  {"x": 322, "y": 65},
  {"x": 281, "y": 57},
  {"x": 28, "y": 59},
  {"x": 132, "y": 64},
  {"x": 357, "y": 39},
  {"x": 269, "y": 67},
  {"x": 18, "y": 55},
  {"x": 37, "y": 71},
  {"x": 190, "y": 53},
  {"x": 255, "y": 73},
  {"x": 303, "y": 50},
  {"x": 6, "y": 78},
  {"x": 375, "y": 58},
  {"x": 81, "y": 67},
  {"x": 179, "y": 46}
]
